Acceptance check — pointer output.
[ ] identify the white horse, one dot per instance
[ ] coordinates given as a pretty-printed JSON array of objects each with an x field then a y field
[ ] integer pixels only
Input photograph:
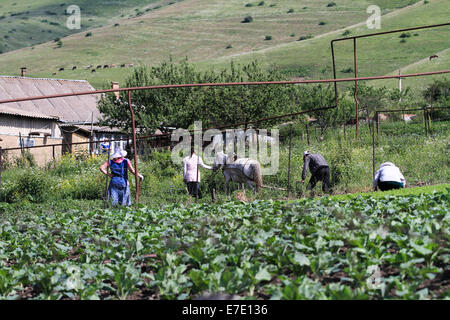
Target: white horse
[{"x": 243, "y": 170}]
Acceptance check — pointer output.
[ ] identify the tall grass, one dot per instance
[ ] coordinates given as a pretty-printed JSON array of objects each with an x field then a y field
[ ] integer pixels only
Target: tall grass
[{"x": 422, "y": 159}]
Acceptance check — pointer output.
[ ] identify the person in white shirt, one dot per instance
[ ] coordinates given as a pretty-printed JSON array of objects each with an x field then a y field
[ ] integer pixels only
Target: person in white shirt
[
  {"x": 191, "y": 174},
  {"x": 388, "y": 177}
]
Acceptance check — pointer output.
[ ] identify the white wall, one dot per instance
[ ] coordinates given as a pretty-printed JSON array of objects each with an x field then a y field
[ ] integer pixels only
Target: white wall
[{"x": 12, "y": 125}]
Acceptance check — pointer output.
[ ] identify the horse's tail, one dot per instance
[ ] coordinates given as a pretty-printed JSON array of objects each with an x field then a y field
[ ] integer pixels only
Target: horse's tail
[{"x": 257, "y": 175}]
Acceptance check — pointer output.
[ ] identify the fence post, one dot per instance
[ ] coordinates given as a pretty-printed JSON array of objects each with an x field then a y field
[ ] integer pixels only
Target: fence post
[
  {"x": 430, "y": 114},
  {"x": 425, "y": 121},
  {"x": 373, "y": 150},
  {"x": 134, "y": 147},
  {"x": 107, "y": 173},
  {"x": 307, "y": 132},
  {"x": 289, "y": 165},
  {"x": 356, "y": 89},
  {"x": 377, "y": 119}
]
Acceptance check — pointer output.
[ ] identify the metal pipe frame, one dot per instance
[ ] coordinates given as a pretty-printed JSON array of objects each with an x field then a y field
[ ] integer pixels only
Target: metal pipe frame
[
  {"x": 210, "y": 85},
  {"x": 355, "y": 59},
  {"x": 254, "y": 83}
]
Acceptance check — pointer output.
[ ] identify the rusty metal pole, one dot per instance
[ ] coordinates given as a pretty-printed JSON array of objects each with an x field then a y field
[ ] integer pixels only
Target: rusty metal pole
[
  {"x": 373, "y": 150},
  {"x": 136, "y": 175},
  {"x": 377, "y": 119},
  {"x": 107, "y": 173},
  {"x": 307, "y": 133},
  {"x": 356, "y": 89}
]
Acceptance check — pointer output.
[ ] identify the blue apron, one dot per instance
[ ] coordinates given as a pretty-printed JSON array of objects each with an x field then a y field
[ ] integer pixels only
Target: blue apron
[{"x": 119, "y": 190}]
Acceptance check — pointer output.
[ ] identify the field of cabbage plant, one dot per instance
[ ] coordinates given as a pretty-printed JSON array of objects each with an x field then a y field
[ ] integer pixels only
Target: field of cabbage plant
[{"x": 394, "y": 247}]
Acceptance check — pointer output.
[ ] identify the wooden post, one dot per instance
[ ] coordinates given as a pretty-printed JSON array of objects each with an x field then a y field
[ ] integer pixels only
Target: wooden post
[{"x": 213, "y": 195}]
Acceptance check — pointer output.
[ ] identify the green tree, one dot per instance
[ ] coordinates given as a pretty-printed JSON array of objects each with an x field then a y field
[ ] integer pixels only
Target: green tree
[
  {"x": 371, "y": 99},
  {"x": 437, "y": 94},
  {"x": 180, "y": 107}
]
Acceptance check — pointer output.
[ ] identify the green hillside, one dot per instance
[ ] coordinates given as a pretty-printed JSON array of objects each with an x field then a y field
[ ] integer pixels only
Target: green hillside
[
  {"x": 376, "y": 56},
  {"x": 212, "y": 32},
  {"x": 26, "y": 23},
  {"x": 442, "y": 62}
]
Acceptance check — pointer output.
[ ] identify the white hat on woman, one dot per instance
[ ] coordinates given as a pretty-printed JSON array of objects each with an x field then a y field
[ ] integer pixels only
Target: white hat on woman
[{"x": 119, "y": 153}]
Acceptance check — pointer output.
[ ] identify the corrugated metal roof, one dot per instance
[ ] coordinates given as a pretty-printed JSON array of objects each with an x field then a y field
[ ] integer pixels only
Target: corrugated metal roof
[
  {"x": 87, "y": 128},
  {"x": 70, "y": 109},
  {"x": 17, "y": 112}
]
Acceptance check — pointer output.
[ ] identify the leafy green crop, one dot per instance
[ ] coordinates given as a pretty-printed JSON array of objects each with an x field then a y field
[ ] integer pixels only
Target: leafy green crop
[{"x": 394, "y": 247}]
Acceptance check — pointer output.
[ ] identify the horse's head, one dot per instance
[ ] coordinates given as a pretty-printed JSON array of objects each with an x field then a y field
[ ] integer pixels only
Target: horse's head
[{"x": 219, "y": 161}]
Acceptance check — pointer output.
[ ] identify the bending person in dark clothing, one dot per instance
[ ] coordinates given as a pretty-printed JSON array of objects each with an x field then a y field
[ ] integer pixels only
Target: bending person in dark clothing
[{"x": 320, "y": 171}]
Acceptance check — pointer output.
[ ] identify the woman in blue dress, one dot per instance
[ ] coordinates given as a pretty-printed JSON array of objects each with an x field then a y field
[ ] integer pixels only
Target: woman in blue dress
[{"x": 119, "y": 187}]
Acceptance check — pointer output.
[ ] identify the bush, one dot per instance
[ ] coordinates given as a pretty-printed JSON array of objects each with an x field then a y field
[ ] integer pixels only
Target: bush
[
  {"x": 331, "y": 4},
  {"x": 348, "y": 70},
  {"x": 405, "y": 35},
  {"x": 229, "y": 46},
  {"x": 261, "y": 3},
  {"x": 249, "y": 5},
  {"x": 29, "y": 185},
  {"x": 25, "y": 161},
  {"x": 247, "y": 19},
  {"x": 290, "y": 10},
  {"x": 89, "y": 34},
  {"x": 322, "y": 23},
  {"x": 268, "y": 38},
  {"x": 346, "y": 33},
  {"x": 309, "y": 36}
]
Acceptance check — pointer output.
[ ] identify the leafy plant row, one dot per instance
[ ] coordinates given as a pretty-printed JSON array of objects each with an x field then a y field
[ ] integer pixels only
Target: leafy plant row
[{"x": 364, "y": 248}]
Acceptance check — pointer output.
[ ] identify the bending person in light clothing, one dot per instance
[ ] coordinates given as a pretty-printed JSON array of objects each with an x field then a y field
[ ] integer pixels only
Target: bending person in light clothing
[
  {"x": 191, "y": 174},
  {"x": 119, "y": 186},
  {"x": 388, "y": 177}
]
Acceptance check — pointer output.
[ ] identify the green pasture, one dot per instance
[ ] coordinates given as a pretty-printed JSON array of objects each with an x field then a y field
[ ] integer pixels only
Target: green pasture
[{"x": 211, "y": 33}]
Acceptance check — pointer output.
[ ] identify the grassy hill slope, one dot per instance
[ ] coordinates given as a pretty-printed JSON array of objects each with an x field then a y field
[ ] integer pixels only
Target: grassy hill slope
[
  {"x": 424, "y": 65},
  {"x": 26, "y": 23},
  {"x": 376, "y": 56},
  {"x": 203, "y": 30}
]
